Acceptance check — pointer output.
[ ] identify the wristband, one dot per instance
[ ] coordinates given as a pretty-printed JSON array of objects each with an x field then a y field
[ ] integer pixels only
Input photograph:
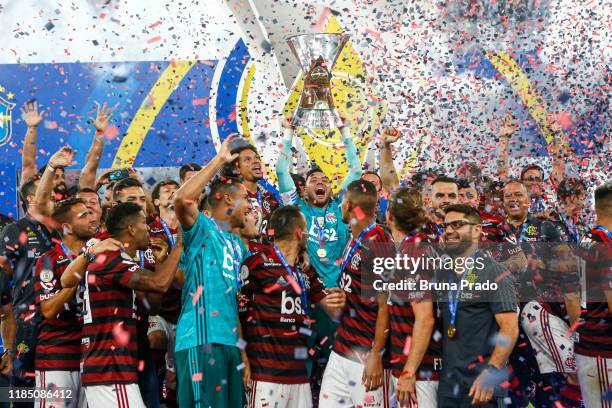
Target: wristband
[
  {"x": 7, "y": 351},
  {"x": 50, "y": 168},
  {"x": 89, "y": 256}
]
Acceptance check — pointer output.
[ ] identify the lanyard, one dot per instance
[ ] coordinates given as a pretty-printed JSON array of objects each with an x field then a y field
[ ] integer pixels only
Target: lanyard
[
  {"x": 141, "y": 259},
  {"x": 521, "y": 235},
  {"x": 298, "y": 277},
  {"x": 453, "y": 300},
  {"x": 353, "y": 247},
  {"x": 167, "y": 231},
  {"x": 235, "y": 252},
  {"x": 67, "y": 252},
  {"x": 440, "y": 232},
  {"x": 573, "y": 230},
  {"x": 260, "y": 198},
  {"x": 604, "y": 229}
]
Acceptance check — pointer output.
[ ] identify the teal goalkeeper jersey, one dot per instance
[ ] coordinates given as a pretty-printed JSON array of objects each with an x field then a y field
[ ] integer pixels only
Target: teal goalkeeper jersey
[{"x": 209, "y": 311}]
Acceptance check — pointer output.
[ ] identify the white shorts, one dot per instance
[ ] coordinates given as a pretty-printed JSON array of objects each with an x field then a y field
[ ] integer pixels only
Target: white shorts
[
  {"x": 68, "y": 380},
  {"x": 427, "y": 395},
  {"x": 341, "y": 386},
  {"x": 271, "y": 395},
  {"x": 594, "y": 374},
  {"x": 158, "y": 323},
  {"x": 116, "y": 396},
  {"x": 548, "y": 335}
]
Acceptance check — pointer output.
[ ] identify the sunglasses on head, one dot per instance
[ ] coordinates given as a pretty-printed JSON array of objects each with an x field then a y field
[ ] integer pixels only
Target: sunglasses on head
[{"x": 455, "y": 225}]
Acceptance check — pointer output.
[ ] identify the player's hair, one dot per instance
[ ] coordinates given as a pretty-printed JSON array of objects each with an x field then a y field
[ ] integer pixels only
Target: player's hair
[
  {"x": 516, "y": 181},
  {"x": 464, "y": 183},
  {"x": 158, "y": 186},
  {"x": 569, "y": 188},
  {"x": 188, "y": 167},
  {"x": 362, "y": 194},
  {"x": 123, "y": 184},
  {"x": 532, "y": 167},
  {"x": 374, "y": 174},
  {"x": 219, "y": 187},
  {"x": 120, "y": 216},
  {"x": 62, "y": 212},
  {"x": 27, "y": 189},
  {"x": 313, "y": 170},
  {"x": 284, "y": 222},
  {"x": 603, "y": 198},
  {"x": 87, "y": 190},
  {"x": 444, "y": 179},
  {"x": 406, "y": 206},
  {"x": 469, "y": 212}
]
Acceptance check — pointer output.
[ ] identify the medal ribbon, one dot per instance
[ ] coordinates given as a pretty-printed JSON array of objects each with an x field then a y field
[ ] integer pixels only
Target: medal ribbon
[
  {"x": 298, "y": 277},
  {"x": 355, "y": 244},
  {"x": 167, "y": 231},
  {"x": 453, "y": 298}
]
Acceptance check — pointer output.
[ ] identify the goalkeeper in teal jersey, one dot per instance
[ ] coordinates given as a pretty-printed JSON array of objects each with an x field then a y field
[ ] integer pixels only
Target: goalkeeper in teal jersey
[
  {"x": 208, "y": 359},
  {"x": 327, "y": 237},
  {"x": 327, "y": 234}
]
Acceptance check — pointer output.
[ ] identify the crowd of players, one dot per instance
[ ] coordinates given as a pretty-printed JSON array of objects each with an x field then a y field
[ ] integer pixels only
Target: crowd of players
[{"x": 222, "y": 290}]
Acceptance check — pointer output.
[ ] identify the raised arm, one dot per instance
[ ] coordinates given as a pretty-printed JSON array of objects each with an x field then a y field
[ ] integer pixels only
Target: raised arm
[
  {"x": 186, "y": 197},
  {"x": 44, "y": 193},
  {"x": 285, "y": 182},
  {"x": 100, "y": 123},
  {"x": 503, "y": 155},
  {"x": 352, "y": 157},
  {"x": 388, "y": 174},
  {"x": 560, "y": 151},
  {"x": 28, "y": 157}
]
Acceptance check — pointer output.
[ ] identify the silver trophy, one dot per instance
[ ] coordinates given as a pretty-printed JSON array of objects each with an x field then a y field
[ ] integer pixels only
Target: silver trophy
[{"x": 317, "y": 54}]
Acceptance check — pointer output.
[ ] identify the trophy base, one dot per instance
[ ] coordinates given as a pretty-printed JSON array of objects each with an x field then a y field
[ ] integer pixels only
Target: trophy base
[{"x": 317, "y": 118}]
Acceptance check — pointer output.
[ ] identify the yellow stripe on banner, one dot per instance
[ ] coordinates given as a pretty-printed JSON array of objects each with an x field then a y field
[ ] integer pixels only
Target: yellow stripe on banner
[
  {"x": 526, "y": 91},
  {"x": 149, "y": 108},
  {"x": 244, "y": 105}
]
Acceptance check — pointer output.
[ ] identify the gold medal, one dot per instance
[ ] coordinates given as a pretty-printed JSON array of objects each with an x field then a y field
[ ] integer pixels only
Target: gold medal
[
  {"x": 321, "y": 252},
  {"x": 451, "y": 331}
]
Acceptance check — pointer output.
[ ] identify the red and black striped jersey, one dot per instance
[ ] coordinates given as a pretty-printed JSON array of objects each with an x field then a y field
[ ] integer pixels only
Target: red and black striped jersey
[
  {"x": 265, "y": 202},
  {"x": 171, "y": 301},
  {"x": 109, "y": 347},
  {"x": 595, "y": 332},
  {"x": 401, "y": 313},
  {"x": 355, "y": 335},
  {"x": 276, "y": 323},
  {"x": 433, "y": 231},
  {"x": 59, "y": 339}
]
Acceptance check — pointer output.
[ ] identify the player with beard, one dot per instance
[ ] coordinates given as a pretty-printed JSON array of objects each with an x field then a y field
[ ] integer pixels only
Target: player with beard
[
  {"x": 572, "y": 194},
  {"x": 444, "y": 192},
  {"x": 355, "y": 374},
  {"x": 508, "y": 251},
  {"x": 249, "y": 234},
  {"x": 92, "y": 200},
  {"x": 249, "y": 168},
  {"x": 416, "y": 372},
  {"x": 162, "y": 327},
  {"x": 544, "y": 292},
  {"x": 480, "y": 328},
  {"x": 593, "y": 346},
  {"x": 280, "y": 295},
  {"x": 110, "y": 363},
  {"x": 58, "y": 351},
  {"x": 208, "y": 329}
]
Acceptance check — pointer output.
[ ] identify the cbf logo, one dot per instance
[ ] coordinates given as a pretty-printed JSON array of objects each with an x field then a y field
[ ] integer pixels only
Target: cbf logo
[{"x": 6, "y": 122}]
